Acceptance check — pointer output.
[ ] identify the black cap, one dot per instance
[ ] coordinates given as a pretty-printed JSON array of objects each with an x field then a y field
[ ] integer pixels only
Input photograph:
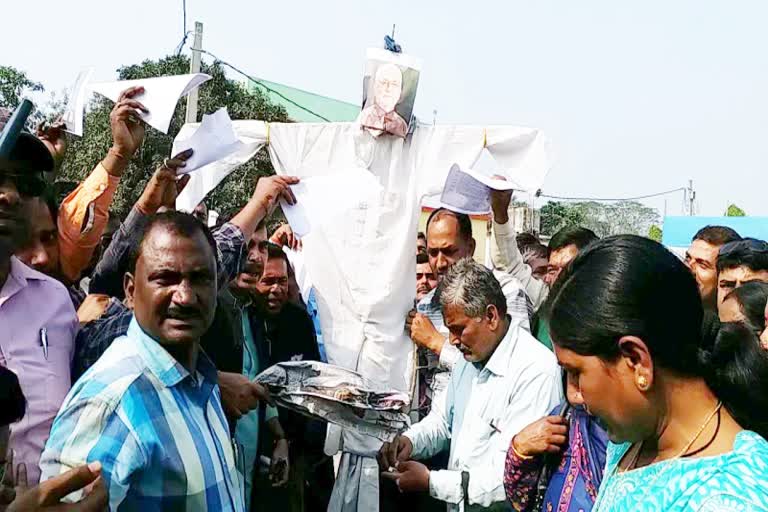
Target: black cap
[{"x": 29, "y": 154}]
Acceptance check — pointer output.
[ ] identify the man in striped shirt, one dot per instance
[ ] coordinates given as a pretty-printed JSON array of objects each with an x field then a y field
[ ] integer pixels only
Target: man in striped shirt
[{"x": 150, "y": 409}]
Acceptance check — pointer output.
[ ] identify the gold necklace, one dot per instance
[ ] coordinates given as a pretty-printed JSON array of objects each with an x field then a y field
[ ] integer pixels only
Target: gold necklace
[
  {"x": 687, "y": 446},
  {"x": 611, "y": 498}
]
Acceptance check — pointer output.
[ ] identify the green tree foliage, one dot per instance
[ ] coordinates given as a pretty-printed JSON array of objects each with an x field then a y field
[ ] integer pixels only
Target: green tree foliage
[
  {"x": 605, "y": 219},
  {"x": 735, "y": 211},
  {"x": 230, "y": 196},
  {"x": 655, "y": 233},
  {"x": 556, "y": 215},
  {"x": 14, "y": 84}
]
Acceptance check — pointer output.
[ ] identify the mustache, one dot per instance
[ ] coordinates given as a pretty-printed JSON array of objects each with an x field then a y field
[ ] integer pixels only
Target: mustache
[
  {"x": 182, "y": 313},
  {"x": 254, "y": 268}
]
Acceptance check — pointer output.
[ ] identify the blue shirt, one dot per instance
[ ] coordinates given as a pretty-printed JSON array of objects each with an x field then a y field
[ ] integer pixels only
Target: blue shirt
[
  {"x": 159, "y": 432},
  {"x": 734, "y": 481},
  {"x": 247, "y": 429},
  {"x": 314, "y": 314}
]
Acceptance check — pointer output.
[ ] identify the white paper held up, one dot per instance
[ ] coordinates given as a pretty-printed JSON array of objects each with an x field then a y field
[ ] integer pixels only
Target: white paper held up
[
  {"x": 296, "y": 214},
  {"x": 322, "y": 199},
  {"x": 213, "y": 140},
  {"x": 252, "y": 135},
  {"x": 160, "y": 95},
  {"x": 468, "y": 191},
  {"x": 75, "y": 111}
]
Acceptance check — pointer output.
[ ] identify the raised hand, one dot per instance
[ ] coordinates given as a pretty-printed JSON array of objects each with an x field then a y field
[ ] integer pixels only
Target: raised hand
[
  {"x": 127, "y": 128},
  {"x": 165, "y": 185}
]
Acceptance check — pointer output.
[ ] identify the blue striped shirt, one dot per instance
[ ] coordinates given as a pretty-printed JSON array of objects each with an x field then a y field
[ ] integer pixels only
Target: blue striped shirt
[{"x": 158, "y": 431}]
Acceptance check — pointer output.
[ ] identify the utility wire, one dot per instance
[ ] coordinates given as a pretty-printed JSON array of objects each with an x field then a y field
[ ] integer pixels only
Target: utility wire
[
  {"x": 657, "y": 194},
  {"x": 184, "y": 30},
  {"x": 262, "y": 84}
]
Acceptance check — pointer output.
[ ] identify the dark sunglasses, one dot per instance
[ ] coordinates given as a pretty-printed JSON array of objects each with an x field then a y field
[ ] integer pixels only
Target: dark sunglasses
[
  {"x": 28, "y": 184},
  {"x": 750, "y": 244}
]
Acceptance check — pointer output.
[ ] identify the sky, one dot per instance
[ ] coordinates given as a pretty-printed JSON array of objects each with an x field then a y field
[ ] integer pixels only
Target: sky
[{"x": 636, "y": 97}]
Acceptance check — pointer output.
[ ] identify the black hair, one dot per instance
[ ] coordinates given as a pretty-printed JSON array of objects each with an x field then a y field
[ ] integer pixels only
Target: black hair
[
  {"x": 422, "y": 258},
  {"x": 752, "y": 298},
  {"x": 178, "y": 223},
  {"x": 13, "y": 405},
  {"x": 572, "y": 235},
  {"x": 710, "y": 326},
  {"x": 275, "y": 251},
  {"x": 535, "y": 251},
  {"x": 421, "y": 236},
  {"x": 739, "y": 375},
  {"x": 747, "y": 252},
  {"x": 525, "y": 239},
  {"x": 630, "y": 285},
  {"x": 465, "y": 223},
  {"x": 49, "y": 198},
  {"x": 716, "y": 235}
]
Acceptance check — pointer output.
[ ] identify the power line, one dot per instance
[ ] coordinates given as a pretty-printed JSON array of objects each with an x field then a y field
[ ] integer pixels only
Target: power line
[
  {"x": 184, "y": 30},
  {"x": 635, "y": 198},
  {"x": 262, "y": 84}
]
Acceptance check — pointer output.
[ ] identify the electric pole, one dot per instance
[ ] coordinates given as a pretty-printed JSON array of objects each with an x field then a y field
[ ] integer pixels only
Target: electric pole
[
  {"x": 194, "y": 67},
  {"x": 691, "y": 197}
]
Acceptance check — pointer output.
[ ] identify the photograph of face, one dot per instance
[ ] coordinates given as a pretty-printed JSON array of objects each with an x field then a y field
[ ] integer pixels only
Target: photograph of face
[{"x": 389, "y": 92}]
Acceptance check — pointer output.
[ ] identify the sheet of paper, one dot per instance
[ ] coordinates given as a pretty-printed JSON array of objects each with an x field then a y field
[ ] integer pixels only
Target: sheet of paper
[
  {"x": 160, "y": 96},
  {"x": 468, "y": 191},
  {"x": 78, "y": 96},
  {"x": 490, "y": 182},
  {"x": 296, "y": 214},
  {"x": 465, "y": 194},
  {"x": 253, "y": 136},
  {"x": 213, "y": 140},
  {"x": 321, "y": 199}
]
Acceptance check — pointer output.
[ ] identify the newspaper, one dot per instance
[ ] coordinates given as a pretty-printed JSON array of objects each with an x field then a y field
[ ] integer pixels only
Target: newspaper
[{"x": 339, "y": 396}]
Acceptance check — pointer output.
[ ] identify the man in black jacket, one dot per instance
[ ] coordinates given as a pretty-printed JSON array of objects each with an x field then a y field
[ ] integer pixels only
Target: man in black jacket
[{"x": 289, "y": 335}]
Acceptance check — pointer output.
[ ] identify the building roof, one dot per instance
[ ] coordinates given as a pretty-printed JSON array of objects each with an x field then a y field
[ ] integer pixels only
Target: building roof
[{"x": 304, "y": 106}]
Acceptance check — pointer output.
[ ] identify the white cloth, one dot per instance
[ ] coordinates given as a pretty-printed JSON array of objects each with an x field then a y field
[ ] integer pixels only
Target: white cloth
[
  {"x": 485, "y": 406},
  {"x": 360, "y": 257}
]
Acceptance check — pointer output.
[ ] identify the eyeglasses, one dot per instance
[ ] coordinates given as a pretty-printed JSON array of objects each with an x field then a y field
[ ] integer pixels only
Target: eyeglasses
[
  {"x": 749, "y": 244},
  {"x": 28, "y": 184}
]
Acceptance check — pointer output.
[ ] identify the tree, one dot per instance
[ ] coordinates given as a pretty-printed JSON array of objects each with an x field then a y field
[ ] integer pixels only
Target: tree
[
  {"x": 13, "y": 86},
  {"x": 232, "y": 194},
  {"x": 735, "y": 211},
  {"x": 655, "y": 233},
  {"x": 556, "y": 215},
  {"x": 605, "y": 219}
]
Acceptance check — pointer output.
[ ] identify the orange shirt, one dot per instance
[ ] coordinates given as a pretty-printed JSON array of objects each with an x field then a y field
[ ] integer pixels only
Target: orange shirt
[{"x": 82, "y": 219}]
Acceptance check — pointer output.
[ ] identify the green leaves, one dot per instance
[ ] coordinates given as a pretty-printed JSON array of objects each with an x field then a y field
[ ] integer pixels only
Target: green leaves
[
  {"x": 232, "y": 194},
  {"x": 13, "y": 86},
  {"x": 622, "y": 217}
]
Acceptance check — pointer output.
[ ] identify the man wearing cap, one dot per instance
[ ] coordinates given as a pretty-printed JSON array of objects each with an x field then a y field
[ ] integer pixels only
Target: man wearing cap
[{"x": 37, "y": 318}]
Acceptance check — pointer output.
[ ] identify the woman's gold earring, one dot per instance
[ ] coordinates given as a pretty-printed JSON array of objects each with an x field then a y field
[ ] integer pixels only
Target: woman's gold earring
[{"x": 642, "y": 383}]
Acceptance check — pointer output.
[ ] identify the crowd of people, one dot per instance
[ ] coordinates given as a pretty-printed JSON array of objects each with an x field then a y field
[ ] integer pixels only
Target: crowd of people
[{"x": 573, "y": 374}]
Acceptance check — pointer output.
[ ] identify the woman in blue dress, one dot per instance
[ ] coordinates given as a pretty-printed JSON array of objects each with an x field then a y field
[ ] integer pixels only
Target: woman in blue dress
[{"x": 686, "y": 424}]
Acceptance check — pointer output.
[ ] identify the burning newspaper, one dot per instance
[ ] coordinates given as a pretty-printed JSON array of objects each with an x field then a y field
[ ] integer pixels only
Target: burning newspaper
[{"x": 337, "y": 395}]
